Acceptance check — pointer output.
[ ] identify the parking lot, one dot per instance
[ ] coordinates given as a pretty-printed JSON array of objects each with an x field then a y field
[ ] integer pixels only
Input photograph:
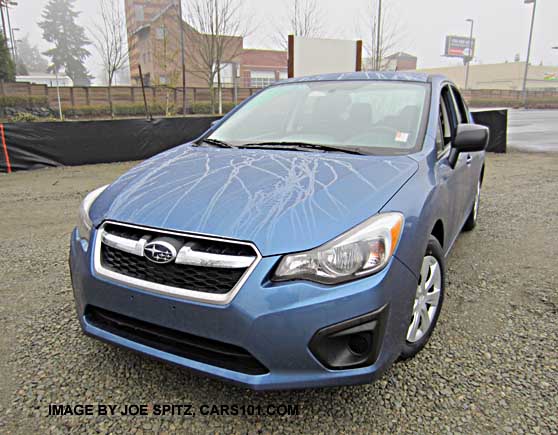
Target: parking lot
[
  {"x": 492, "y": 365},
  {"x": 533, "y": 130}
]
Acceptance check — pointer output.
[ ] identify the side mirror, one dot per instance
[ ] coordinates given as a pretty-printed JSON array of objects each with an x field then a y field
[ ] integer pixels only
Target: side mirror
[{"x": 468, "y": 138}]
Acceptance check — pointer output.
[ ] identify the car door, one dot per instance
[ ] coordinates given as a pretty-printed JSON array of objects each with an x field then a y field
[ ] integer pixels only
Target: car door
[
  {"x": 450, "y": 178},
  {"x": 473, "y": 160}
]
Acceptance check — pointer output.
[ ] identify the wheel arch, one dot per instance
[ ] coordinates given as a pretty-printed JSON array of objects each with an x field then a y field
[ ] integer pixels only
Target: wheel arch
[{"x": 438, "y": 232}]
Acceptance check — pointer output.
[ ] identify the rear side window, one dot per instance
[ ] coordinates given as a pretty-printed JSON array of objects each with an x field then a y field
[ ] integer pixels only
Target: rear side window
[
  {"x": 444, "y": 134},
  {"x": 462, "y": 111},
  {"x": 440, "y": 143},
  {"x": 448, "y": 116},
  {"x": 453, "y": 111}
]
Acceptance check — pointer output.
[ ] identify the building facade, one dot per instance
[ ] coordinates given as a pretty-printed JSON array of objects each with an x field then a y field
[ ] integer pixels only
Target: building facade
[
  {"x": 153, "y": 28},
  {"x": 401, "y": 62},
  {"x": 260, "y": 68},
  {"x": 46, "y": 79}
]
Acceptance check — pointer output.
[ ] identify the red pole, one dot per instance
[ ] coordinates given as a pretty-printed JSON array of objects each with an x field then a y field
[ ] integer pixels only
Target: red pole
[{"x": 6, "y": 156}]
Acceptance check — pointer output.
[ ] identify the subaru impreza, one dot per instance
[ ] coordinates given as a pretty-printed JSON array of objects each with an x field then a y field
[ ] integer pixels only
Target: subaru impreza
[{"x": 300, "y": 242}]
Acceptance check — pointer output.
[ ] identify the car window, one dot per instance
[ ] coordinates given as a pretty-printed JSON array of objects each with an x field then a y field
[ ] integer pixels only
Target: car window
[
  {"x": 450, "y": 115},
  {"x": 462, "y": 110},
  {"x": 375, "y": 116},
  {"x": 440, "y": 144},
  {"x": 445, "y": 124},
  {"x": 268, "y": 114}
]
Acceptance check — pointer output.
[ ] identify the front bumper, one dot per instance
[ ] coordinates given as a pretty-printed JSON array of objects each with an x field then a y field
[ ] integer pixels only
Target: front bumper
[{"x": 274, "y": 322}]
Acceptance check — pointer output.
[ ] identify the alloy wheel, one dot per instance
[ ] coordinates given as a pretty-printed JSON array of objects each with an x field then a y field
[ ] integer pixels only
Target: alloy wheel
[{"x": 426, "y": 299}]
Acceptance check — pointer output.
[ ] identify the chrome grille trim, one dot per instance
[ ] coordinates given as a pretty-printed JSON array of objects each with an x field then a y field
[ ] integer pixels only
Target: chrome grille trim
[
  {"x": 127, "y": 245},
  {"x": 133, "y": 247},
  {"x": 187, "y": 255}
]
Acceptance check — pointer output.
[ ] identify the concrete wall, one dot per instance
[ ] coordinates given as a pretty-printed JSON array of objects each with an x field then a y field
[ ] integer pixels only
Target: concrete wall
[{"x": 505, "y": 76}]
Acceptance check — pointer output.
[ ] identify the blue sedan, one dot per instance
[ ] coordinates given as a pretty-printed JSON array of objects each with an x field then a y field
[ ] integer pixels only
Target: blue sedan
[{"x": 300, "y": 242}]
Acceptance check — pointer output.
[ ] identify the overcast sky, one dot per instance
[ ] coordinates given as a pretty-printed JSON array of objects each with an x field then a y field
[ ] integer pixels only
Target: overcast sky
[{"x": 501, "y": 26}]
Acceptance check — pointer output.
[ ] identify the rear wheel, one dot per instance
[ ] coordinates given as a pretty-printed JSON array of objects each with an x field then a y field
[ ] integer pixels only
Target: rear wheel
[
  {"x": 471, "y": 221},
  {"x": 428, "y": 301}
]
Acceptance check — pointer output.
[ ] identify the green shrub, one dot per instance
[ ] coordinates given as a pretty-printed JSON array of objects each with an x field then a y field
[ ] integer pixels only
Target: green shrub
[
  {"x": 29, "y": 117},
  {"x": 84, "y": 111},
  {"x": 24, "y": 117},
  {"x": 17, "y": 101},
  {"x": 204, "y": 107},
  {"x": 139, "y": 109},
  {"x": 119, "y": 110}
]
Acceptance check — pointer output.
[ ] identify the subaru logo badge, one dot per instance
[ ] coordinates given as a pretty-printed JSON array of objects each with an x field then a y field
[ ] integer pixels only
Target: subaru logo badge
[{"x": 160, "y": 252}]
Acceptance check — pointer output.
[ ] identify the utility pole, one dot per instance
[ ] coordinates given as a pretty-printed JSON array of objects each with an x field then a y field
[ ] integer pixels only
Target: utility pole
[
  {"x": 534, "y": 2},
  {"x": 10, "y": 30},
  {"x": 2, "y": 4},
  {"x": 470, "y": 56},
  {"x": 182, "y": 55},
  {"x": 379, "y": 36},
  {"x": 58, "y": 94},
  {"x": 218, "y": 59}
]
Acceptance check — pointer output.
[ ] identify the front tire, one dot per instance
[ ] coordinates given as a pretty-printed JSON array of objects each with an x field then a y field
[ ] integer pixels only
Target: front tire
[
  {"x": 428, "y": 300},
  {"x": 471, "y": 221}
]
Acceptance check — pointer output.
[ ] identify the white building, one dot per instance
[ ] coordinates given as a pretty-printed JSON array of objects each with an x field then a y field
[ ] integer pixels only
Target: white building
[{"x": 45, "y": 79}]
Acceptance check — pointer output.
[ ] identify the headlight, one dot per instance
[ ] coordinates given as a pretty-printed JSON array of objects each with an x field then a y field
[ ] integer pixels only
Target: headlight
[
  {"x": 84, "y": 224},
  {"x": 362, "y": 251}
]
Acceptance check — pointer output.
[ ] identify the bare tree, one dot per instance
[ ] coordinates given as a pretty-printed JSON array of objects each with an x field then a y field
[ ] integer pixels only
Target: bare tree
[
  {"x": 109, "y": 35},
  {"x": 389, "y": 36},
  {"x": 303, "y": 18},
  {"x": 214, "y": 38},
  {"x": 167, "y": 56}
]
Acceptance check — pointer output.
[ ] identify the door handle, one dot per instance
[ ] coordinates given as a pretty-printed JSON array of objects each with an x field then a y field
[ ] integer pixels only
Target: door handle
[{"x": 469, "y": 159}]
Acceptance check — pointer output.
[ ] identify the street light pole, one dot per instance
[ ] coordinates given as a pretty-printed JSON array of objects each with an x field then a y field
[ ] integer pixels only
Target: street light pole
[
  {"x": 534, "y": 2},
  {"x": 379, "y": 37},
  {"x": 470, "y": 57}
]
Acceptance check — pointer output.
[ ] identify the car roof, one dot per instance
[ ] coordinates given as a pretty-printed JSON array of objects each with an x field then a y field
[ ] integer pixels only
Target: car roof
[{"x": 367, "y": 75}]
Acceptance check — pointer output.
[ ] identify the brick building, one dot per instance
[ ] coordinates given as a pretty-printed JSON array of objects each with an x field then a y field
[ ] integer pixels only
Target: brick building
[
  {"x": 401, "y": 61},
  {"x": 260, "y": 68},
  {"x": 154, "y": 42}
]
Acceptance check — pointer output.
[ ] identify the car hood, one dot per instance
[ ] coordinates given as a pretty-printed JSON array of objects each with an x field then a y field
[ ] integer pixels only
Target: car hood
[{"x": 283, "y": 201}]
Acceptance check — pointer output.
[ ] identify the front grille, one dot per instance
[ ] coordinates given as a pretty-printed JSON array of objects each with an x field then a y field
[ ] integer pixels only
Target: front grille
[
  {"x": 205, "y": 245},
  {"x": 203, "y": 279},
  {"x": 213, "y": 267},
  {"x": 178, "y": 343}
]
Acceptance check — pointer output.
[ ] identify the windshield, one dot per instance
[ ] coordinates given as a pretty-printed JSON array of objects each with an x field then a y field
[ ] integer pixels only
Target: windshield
[{"x": 369, "y": 115}]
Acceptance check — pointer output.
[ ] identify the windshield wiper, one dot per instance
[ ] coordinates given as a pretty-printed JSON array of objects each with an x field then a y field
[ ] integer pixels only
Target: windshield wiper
[
  {"x": 214, "y": 142},
  {"x": 300, "y": 145}
]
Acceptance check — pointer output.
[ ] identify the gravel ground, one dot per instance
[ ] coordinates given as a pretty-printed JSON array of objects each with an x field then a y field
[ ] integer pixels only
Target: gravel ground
[{"x": 491, "y": 366}]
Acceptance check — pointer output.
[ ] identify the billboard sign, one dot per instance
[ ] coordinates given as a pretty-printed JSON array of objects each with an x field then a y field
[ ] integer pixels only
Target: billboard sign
[{"x": 460, "y": 46}]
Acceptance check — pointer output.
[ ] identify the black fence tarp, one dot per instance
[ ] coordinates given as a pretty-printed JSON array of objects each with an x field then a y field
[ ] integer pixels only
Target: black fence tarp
[
  {"x": 29, "y": 145},
  {"x": 32, "y": 145},
  {"x": 497, "y": 121}
]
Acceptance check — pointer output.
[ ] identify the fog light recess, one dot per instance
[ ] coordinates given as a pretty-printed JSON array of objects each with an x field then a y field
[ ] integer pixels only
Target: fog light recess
[
  {"x": 350, "y": 344},
  {"x": 360, "y": 344}
]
